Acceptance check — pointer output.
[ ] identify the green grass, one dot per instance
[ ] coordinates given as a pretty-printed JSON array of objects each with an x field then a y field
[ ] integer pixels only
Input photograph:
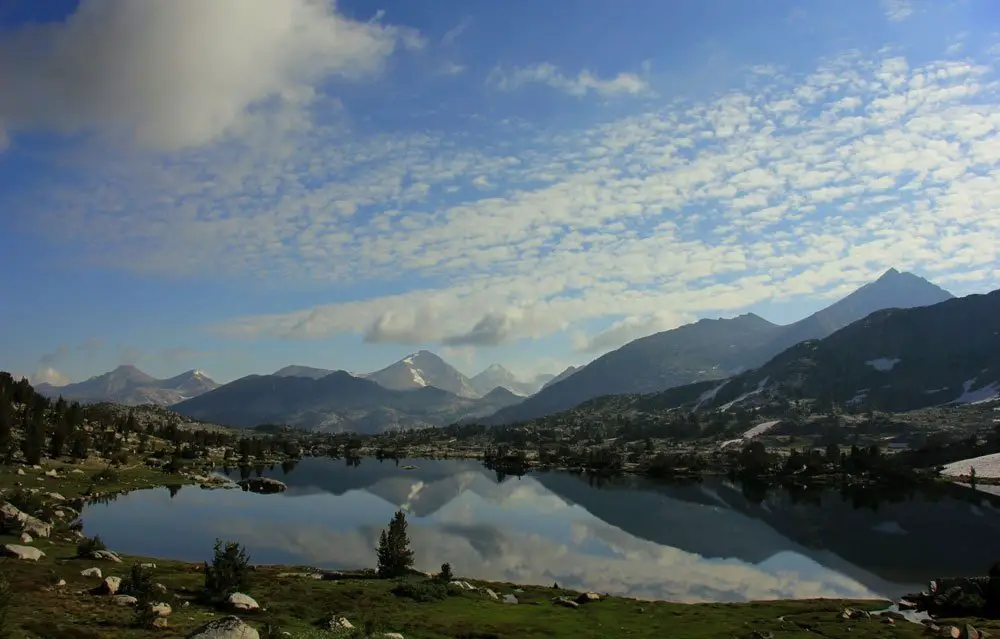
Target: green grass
[
  {"x": 92, "y": 477},
  {"x": 296, "y": 604}
]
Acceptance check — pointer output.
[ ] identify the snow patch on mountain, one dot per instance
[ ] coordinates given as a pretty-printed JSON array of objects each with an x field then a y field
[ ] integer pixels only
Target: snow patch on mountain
[
  {"x": 972, "y": 395},
  {"x": 883, "y": 364}
]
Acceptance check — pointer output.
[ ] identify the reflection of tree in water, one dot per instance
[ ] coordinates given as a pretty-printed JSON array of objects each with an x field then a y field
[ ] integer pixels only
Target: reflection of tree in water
[
  {"x": 174, "y": 489},
  {"x": 245, "y": 472},
  {"x": 352, "y": 462},
  {"x": 288, "y": 466},
  {"x": 259, "y": 470}
]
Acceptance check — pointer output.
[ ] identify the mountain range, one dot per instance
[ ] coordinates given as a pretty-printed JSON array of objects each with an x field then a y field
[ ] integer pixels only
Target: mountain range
[
  {"x": 423, "y": 390},
  {"x": 713, "y": 349},
  {"x": 129, "y": 385},
  {"x": 337, "y": 402},
  {"x": 892, "y": 360}
]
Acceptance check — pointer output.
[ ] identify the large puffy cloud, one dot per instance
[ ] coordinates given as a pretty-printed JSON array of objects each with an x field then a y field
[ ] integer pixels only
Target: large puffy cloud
[{"x": 180, "y": 73}]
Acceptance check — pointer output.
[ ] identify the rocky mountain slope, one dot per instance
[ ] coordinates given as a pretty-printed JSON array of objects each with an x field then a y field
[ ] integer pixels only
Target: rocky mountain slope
[
  {"x": 129, "y": 385},
  {"x": 715, "y": 349},
  {"x": 892, "y": 360},
  {"x": 421, "y": 370},
  {"x": 561, "y": 376},
  {"x": 337, "y": 402}
]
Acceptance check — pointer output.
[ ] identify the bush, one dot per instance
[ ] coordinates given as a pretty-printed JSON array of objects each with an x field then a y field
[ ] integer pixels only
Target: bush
[
  {"x": 228, "y": 573},
  {"x": 421, "y": 591},
  {"x": 89, "y": 545},
  {"x": 138, "y": 583},
  {"x": 30, "y": 503}
]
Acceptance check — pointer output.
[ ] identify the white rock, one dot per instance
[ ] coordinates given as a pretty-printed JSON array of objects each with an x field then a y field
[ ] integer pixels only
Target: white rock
[
  {"x": 125, "y": 600},
  {"x": 27, "y": 553},
  {"x": 341, "y": 623},
  {"x": 225, "y": 628},
  {"x": 389, "y": 635},
  {"x": 20, "y": 471},
  {"x": 239, "y": 601},
  {"x": 492, "y": 594},
  {"x": 9, "y": 511},
  {"x": 52, "y": 473},
  {"x": 161, "y": 609},
  {"x": 91, "y": 572},
  {"x": 55, "y": 496},
  {"x": 112, "y": 584},
  {"x": 36, "y": 527},
  {"x": 26, "y": 538},
  {"x": 106, "y": 555}
]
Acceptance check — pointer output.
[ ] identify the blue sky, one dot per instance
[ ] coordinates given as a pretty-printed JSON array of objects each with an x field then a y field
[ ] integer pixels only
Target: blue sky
[{"x": 191, "y": 185}]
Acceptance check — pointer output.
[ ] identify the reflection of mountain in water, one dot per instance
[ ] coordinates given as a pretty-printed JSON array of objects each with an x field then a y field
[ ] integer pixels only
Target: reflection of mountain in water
[{"x": 890, "y": 550}]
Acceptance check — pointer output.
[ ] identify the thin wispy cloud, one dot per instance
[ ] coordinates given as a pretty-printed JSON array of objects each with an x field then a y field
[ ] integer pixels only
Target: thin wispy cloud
[{"x": 579, "y": 85}]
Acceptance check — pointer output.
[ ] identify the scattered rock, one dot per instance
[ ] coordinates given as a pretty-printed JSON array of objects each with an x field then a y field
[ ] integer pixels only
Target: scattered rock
[
  {"x": 159, "y": 622},
  {"x": 464, "y": 585},
  {"x": 111, "y": 585},
  {"x": 91, "y": 572},
  {"x": 26, "y": 538},
  {"x": 60, "y": 583},
  {"x": 264, "y": 485},
  {"x": 588, "y": 597},
  {"x": 336, "y": 622},
  {"x": 148, "y": 566},
  {"x": 491, "y": 594},
  {"x": 125, "y": 600},
  {"x": 565, "y": 603},
  {"x": 239, "y": 601},
  {"x": 76, "y": 471},
  {"x": 509, "y": 599},
  {"x": 161, "y": 609},
  {"x": 387, "y": 635},
  {"x": 105, "y": 555},
  {"x": 10, "y": 512},
  {"x": 160, "y": 588},
  {"x": 52, "y": 473},
  {"x": 26, "y": 553},
  {"x": 20, "y": 471},
  {"x": 55, "y": 496},
  {"x": 854, "y": 613}
]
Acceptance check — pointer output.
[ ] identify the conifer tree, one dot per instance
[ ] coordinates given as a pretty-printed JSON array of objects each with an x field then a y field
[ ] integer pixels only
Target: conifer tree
[
  {"x": 394, "y": 555},
  {"x": 6, "y": 429}
]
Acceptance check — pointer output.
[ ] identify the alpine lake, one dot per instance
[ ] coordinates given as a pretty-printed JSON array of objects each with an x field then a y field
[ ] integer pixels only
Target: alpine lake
[{"x": 707, "y": 541}]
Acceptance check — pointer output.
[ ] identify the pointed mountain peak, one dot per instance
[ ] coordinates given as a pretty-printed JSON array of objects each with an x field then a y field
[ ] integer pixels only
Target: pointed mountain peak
[{"x": 890, "y": 274}]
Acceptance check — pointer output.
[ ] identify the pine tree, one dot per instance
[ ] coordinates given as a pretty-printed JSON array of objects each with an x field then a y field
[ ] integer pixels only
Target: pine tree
[
  {"x": 394, "y": 555},
  {"x": 57, "y": 441},
  {"x": 34, "y": 436},
  {"x": 6, "y": 429}
]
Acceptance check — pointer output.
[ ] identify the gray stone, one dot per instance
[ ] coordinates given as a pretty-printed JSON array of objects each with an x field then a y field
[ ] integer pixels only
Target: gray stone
[
  {"x": 225, "y": 628},
  {"x": 26, "y": 553}
]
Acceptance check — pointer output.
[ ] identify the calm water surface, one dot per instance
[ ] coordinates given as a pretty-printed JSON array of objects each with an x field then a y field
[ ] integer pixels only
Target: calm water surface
[{"x": 697, "y": 542}]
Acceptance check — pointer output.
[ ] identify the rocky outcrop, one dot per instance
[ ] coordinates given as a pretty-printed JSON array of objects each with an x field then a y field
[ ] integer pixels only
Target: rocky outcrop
[
  {"x": 225, "y": 628},
  {"x": 265, "y": 485},
  {"x": 960, "y": 597}
]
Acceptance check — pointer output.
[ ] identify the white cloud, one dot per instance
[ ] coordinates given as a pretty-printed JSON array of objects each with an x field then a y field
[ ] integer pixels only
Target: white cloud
[
  {"x": 627, "y": 329},
  {"x": 898, "y": 10},
  {"x": 48, "y": 375},
  {"x": 699, "y": 207},
  {"x": 581, "y": 84},
  {"x": 183, "y": 73}
]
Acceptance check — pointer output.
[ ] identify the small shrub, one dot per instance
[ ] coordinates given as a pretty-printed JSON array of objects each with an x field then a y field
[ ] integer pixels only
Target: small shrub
[
  {"x": 446, "y": 575},
  {"x": 26, "y": 502},
  {"x": 89, "y": 545},
  {"x": 120, "y": 458},
  {"x": 138, "y": 582},
  {"x": 228, "y": 573},
  {"x": 421, "y": 591}
]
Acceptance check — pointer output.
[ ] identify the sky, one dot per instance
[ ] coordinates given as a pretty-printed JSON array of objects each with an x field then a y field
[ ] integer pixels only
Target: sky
[{"x": 236, "y": 186}]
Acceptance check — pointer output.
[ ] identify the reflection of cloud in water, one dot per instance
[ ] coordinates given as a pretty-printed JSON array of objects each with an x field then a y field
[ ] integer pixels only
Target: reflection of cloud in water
[{"x": 635, "y": 567}]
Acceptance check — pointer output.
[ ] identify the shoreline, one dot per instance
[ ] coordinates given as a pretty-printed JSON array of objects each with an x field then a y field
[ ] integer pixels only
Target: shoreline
[{"x": 296, "y": 600}]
